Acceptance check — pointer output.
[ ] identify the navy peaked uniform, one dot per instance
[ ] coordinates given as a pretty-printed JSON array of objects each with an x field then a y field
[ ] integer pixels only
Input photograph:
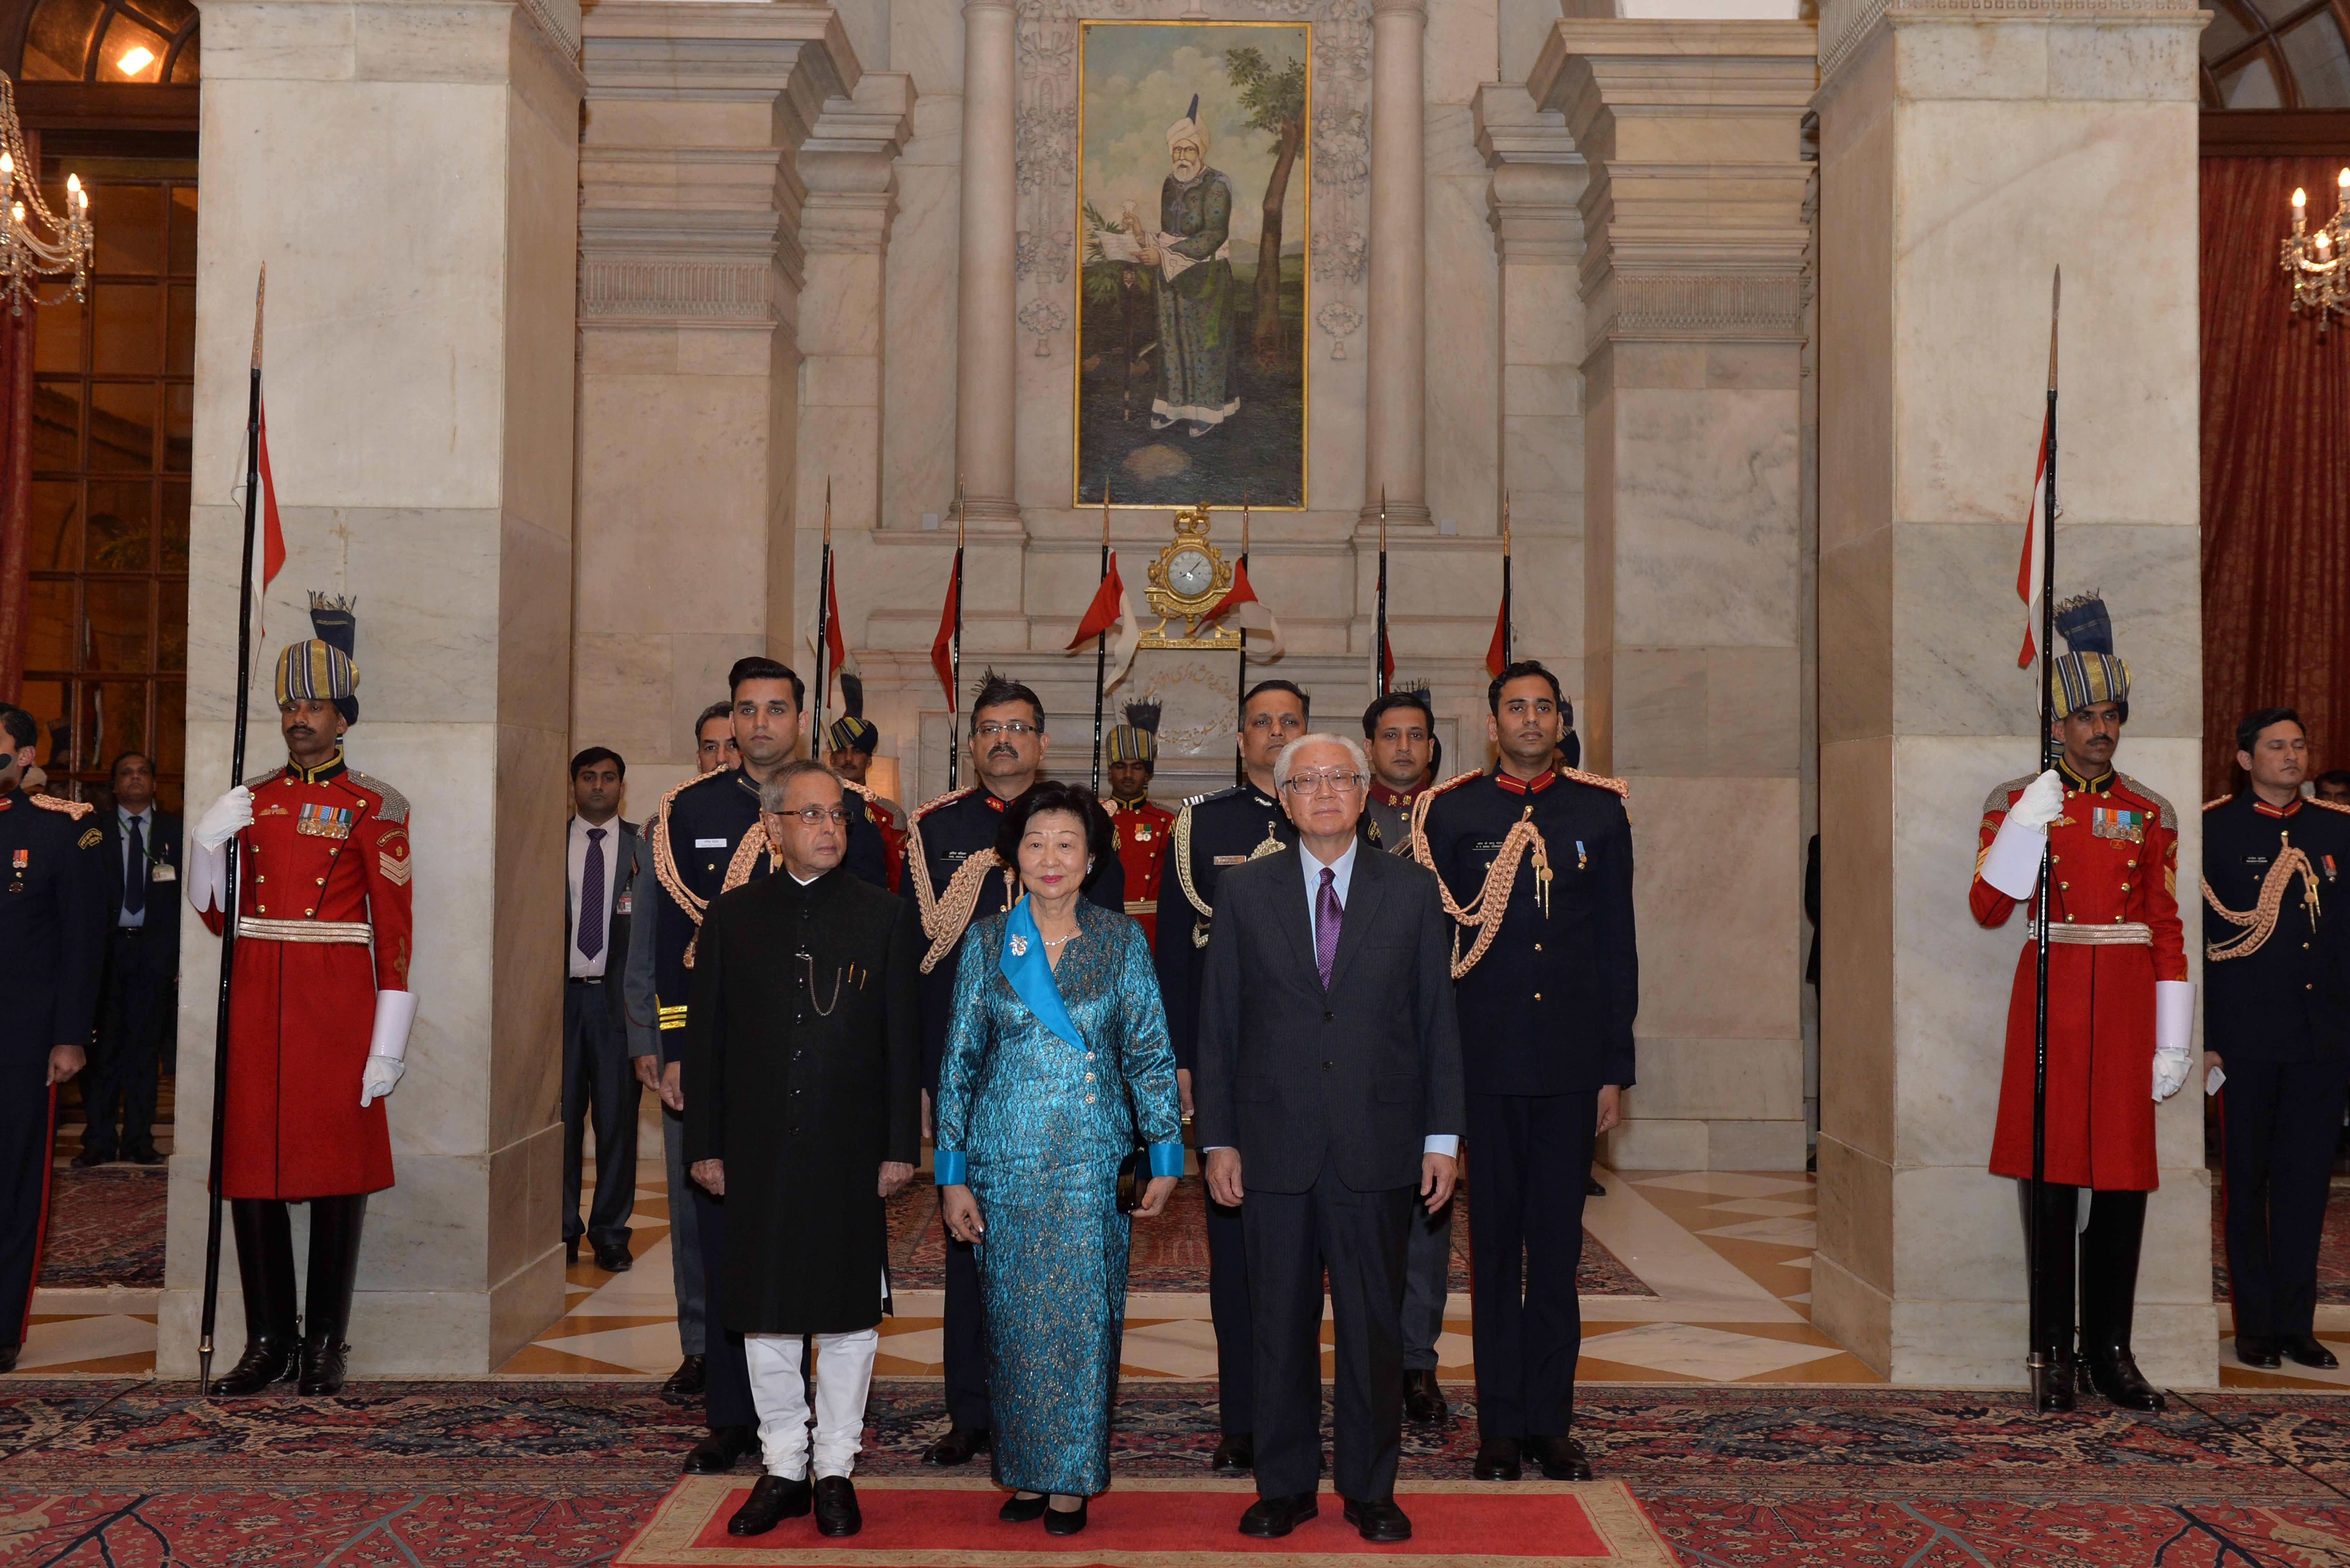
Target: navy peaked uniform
[
  {"x": 953, "y": 828},
  {"x": 53, "y": 909},
  {"x": 1211, "y": 832},
  {"x": 694, "y": 840},
  {"x": 1545, "y": 1020},
  {"x": 2276, "y": 1010}
]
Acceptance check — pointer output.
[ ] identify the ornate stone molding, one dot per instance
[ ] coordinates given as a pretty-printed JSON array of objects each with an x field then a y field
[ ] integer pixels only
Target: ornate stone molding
[
  {"x": 1539, "y": 176},
  {"x": 642, "y": 289},
  {"x": 849, "y": 164},
  {"x": 1711, "y": 305},
  {"x": 1843, "y": 27}
]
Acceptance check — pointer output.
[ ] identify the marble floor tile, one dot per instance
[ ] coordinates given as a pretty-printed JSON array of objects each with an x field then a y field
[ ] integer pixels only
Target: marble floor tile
[
  {"x": 1783, "y": 1232},
  {"x": 647, "y": 1348},
  {"x": 56, "y": 1345},
  {"x": 1690, "y": 1350},
  {"x": 1770, "y": 1207},
  {"x": 1725, "y": 1183}
]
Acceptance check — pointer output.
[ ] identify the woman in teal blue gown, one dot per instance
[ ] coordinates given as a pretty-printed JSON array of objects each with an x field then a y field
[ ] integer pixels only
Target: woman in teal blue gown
[{"x": 1056, "y": 1059}]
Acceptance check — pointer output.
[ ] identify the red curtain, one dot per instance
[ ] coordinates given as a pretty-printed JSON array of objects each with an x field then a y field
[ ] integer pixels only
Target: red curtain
[{"x": 2276, "y": 471}]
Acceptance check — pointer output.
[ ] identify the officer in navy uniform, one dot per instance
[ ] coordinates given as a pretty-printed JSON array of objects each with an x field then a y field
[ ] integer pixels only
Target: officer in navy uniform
[
  {"x": 53, "y": 908},
  {"x": 698, "y": 851},
  {"x": 2276, "y": 1021},
  {"x": 1211, "y": 832},
  {"x": 1537, "y": 863},
  {"x": 953, "y": 877}
]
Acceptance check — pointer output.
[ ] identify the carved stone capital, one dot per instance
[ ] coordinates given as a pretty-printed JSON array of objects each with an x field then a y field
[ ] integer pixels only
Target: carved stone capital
[
  {"x": 1538, "y": 176},
  {"x": 849, "y": 166}
]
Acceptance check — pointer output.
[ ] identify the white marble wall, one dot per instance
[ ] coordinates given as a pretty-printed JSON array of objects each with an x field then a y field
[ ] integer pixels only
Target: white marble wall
[
  {"x": 411, "y": 182},
  {"x": 1963, "y": 157}
]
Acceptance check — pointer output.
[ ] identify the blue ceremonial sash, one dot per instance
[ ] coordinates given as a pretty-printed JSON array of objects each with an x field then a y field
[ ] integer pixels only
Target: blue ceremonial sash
[{"x": 1024, "y": 965}]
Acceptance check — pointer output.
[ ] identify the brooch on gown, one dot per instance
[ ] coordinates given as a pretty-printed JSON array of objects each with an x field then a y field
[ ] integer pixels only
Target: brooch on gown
[{"x": 1019, "y": 945}]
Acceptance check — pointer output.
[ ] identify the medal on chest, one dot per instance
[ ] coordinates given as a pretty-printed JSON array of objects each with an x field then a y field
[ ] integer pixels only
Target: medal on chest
[
  {"x": 2113, "y": 822},
  {"x": 323, "y": 821},
  {"x": 19, "y": 860}
]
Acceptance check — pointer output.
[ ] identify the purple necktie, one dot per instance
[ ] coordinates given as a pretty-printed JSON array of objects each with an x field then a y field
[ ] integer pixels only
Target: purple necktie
[
  {"x": 1328, "y": 916},
  {"x": 591, "y": 897}
]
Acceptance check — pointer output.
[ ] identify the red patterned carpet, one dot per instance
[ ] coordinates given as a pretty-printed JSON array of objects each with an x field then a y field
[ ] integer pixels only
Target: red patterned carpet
[
  {"x": 1171, "y": 1253},
  {"x": 529, "y": 1474},
  {"x": 105, "y": 1228}
]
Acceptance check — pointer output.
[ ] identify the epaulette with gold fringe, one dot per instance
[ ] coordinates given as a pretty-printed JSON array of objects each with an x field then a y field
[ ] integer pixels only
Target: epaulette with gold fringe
[
  {"x": 1598, "y": 781},
  {"x": 949, "y": 798},
  {"x": 2217, "y": 801},
  {"x": 76, "y": 809},
  {"x": 2330, "y": 805}
]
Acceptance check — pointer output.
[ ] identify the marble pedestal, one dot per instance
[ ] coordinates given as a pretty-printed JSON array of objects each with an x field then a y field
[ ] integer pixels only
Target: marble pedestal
[
  {"x": 1965, "y": 154},
  {"x": 410, "y": 176}
]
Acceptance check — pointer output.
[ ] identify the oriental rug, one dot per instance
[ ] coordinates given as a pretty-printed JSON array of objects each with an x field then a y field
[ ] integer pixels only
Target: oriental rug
[
  {"x": 1171, "y": 1253},
  {"x": 531, "y": 1474},
  {"x": 105, "y": 1228},
  {"x": 949, "y": 1522}
]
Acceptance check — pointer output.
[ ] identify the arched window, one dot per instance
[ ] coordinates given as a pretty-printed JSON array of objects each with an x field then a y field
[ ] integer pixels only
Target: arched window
[
  {"x": 111, "y": 41},
  {"x": 2276, "y": 54}
]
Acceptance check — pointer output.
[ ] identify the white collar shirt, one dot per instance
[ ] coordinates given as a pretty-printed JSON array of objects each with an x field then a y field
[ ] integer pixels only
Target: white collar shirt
[{"x": 580, "y": 965}]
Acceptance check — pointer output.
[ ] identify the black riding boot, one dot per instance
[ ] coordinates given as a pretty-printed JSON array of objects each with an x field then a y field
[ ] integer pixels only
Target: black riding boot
[
  {"x": 264, "y": 1265},
  {"x": 2109, "y": 1250},
  {"x": 334, "y": 1270},
  {"x": 2052, "y": 1328}
]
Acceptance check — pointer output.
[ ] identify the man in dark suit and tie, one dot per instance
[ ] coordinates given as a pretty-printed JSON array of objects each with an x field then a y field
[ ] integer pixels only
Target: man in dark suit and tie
[
  {"x": 137, "y": 1007},
  {"x": 605, "y": 877},
  {"x": 1329, "y": 1102}
]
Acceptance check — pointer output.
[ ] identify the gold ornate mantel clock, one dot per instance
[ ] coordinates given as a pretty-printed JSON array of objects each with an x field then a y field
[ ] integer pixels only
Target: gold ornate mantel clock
[{"x": 1188, "y": 575}]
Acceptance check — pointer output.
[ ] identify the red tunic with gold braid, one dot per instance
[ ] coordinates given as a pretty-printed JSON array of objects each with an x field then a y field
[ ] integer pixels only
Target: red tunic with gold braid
[
  {"x": 324, "y": 922},
  {"x": 1140, "y": 830},
  {"x": 2114, "y": 931}
]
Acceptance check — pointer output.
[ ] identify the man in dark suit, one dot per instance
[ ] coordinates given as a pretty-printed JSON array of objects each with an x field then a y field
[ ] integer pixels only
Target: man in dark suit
[
  {"x": 604, "y": 877},
  {"x": 140, "y": 849},
  {"x": 1328, "y": 1100}
]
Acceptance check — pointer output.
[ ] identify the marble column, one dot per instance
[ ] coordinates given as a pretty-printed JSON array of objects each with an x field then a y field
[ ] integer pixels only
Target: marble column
[
  {"x": 692, "y": 268},
  {"x": 1538, "y": 178},
  {"x": 1396, "y": 455},
  {"x": 409, "y": 178},
  {"x": 1964, "y": 154},
  {"x": 986, "y": 323},
  {"x": 1694, "y": 243}
]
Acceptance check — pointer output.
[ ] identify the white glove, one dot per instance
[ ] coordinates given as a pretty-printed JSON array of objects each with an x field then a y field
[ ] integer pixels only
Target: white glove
[
  {"x": 2174, "y": 1030},
  {"x": 224, "y": 818},
  {"x": 2042, "y": 803},
  {"x": 205, "y": 875},
  {"x": 382, "y": 1076},
  {"x": 2012, "y": 866}
]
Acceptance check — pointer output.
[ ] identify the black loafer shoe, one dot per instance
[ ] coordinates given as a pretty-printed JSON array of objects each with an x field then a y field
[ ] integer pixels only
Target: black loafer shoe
[
  {"x": 1593, "y": 1187},
  {"x": 147, "y": 1154},
  {"x": 1423, "y": 1401},
  {"x": 692, "y": 1376},
  {"x": 1497, "y": 1460},
  {"x": 771, "y": 1501},
  {"x": 2116, "y": 1376},
  {"x": 715, "y": 1454},
  {"x": 615, "y": 1260},
  {"x": 2307, "y": 1350},
  {"x": 1065, "y": 1520},
  {"x": 958, "y": 1447},
  {"x": 1275, "y": 1516},
  {"x": 1018, "y": 1509},
  {"x": 1235, "y": 1456},
  {"x": 90, "y": 1156},
  {"x": 1562, "y": 1459},
  {"x": 1379, "y": 1520},
  {"x": 2257, "y": 1350},
  {"x": 837, "y": 1512}
]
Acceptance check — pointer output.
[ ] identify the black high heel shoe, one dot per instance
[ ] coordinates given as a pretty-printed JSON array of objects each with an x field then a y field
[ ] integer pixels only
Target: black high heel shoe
[
  {"x": 1018, "y": 1509},
  {"x": 1065, "y": 1520}
]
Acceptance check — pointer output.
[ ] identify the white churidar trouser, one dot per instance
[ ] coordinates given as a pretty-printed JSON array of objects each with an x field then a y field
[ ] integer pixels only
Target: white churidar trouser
[{"x": 844, "y": 1371}]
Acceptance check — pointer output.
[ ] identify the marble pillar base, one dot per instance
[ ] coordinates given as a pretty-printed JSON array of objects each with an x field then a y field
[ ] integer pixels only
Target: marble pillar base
[{"x": 1669, "y": 1143}]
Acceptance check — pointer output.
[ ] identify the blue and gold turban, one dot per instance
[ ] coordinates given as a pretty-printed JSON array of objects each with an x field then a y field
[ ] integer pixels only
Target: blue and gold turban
[
  {"x": 852, "y": 732},
  {"x": 321, "y": 668},
  {"x": 2088, "y": 671},
  {"x": 1137, "y": 740}
]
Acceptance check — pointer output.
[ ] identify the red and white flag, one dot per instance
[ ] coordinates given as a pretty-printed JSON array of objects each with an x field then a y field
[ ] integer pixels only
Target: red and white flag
[
  {"x": 943, "y": 648},
  {"x": 1241, "y": 603},
  {"x": 836, "y": 646},
  {"x": 271, "y": 542},
  {"x": 1112, "y": 610},
  {"x": 2028, "y": 583}
]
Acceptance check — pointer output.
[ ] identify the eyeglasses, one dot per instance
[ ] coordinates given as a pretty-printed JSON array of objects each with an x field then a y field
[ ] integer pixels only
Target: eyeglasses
[
  {"x": 816, "y": 816},
  {"x": 1317, "y": 782},
  {"x": 1012, "y": 727}
]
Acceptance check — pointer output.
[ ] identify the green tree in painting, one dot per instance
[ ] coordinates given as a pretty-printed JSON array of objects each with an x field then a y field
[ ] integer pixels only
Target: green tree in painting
[{"x": 1275, "y": 101}]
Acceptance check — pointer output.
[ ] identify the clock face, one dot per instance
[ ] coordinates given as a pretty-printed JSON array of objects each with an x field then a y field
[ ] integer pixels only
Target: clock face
[{"x": 1189, "y": 573}]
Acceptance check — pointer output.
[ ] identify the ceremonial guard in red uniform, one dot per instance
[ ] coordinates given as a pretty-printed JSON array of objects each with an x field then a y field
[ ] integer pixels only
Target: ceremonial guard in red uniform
[
  {"x": 320, "y": 1008},
  {"x": 849, "y": 742},
  {"x": 1139, "y": 826},
  {"x": 52, "y": 910},
  {"x": 2120, "y": 1007}
]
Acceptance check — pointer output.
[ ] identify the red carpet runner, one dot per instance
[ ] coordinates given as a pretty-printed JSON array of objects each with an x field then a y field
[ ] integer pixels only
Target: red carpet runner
[{"x": 1144, "y": 1524}]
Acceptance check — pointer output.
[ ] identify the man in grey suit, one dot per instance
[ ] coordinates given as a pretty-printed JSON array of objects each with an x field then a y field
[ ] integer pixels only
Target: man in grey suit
[
  {"x": 1329, "y": 1101},
  {"x": 605, "y": 871}
]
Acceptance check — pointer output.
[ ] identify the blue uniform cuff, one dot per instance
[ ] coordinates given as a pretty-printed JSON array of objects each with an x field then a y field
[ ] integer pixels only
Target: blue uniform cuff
[
  {"x": 950, "y": 1168},
  {"x": 1166, "y": 1159}
]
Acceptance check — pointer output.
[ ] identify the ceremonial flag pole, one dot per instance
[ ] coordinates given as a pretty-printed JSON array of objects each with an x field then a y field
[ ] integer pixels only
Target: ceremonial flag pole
[
  {"x": 2040, "y": 537},
  {"x": 1101, "y": 645},
  {"x": 946, "y": 648},
  {"x": 1240, "y": 769},
  {"x": 1386, "y": 655},
  {"x": 1497, "y": 651},
  {"x": 274, "y": 547},
  {"x": 825, "y": 630}
]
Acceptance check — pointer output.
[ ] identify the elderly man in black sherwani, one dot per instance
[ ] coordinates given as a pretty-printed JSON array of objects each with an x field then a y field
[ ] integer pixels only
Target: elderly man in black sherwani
[{"x": 803, "y": 1110}]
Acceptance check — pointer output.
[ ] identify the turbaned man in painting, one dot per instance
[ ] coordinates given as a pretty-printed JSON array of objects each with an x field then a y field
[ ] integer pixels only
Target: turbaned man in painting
[{"x": 1193, "y": 255}]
